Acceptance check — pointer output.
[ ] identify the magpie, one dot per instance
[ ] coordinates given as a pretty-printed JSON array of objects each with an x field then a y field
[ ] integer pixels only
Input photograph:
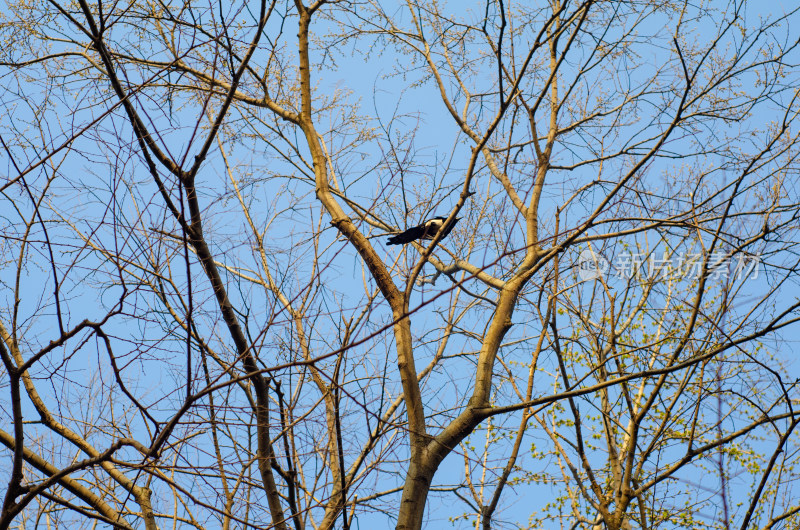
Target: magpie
[{"x": 426, "y": 230}]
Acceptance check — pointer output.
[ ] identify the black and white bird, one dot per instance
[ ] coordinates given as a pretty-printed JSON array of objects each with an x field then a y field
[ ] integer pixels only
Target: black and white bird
[{"x": 426, "y": 230}]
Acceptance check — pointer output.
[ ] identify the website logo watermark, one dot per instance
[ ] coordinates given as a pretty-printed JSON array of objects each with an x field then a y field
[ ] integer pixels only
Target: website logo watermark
[
  {"x": 721, "y": 266},
  {"x": 591, "y": 265}
]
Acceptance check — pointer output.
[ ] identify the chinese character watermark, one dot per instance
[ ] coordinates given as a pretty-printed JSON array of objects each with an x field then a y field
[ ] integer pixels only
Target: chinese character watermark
[{"x": 720, "y": 265}]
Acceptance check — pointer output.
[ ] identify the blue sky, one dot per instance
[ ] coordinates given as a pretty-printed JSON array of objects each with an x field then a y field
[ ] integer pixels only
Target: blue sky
[{"x": 397, "y": 152}]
